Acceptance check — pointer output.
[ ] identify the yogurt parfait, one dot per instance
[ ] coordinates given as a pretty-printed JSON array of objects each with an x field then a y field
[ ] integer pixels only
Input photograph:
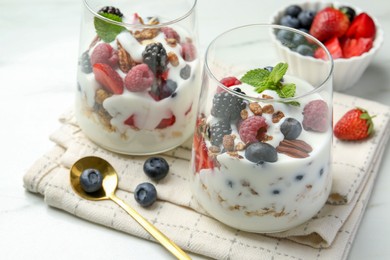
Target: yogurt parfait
[
  {"x": 262, "y": 142},
  {"x": 138, "y": 76}
]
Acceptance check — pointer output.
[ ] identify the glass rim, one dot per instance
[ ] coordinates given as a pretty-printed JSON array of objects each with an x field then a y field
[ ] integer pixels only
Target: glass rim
[
  {"x": 259, "y": 99},
  {"x": 137, "y": 26}
]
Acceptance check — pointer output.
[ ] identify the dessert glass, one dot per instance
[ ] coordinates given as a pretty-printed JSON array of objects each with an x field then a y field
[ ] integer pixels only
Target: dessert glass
[
  {"x": 138, "y": 75},
  {"x": 261, "y": 157}
]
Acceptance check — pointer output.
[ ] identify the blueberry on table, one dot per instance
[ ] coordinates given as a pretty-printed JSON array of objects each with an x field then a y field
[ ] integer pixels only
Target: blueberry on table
[
  {"x": 91, "y": 180},
  {"x": 261, "y": 152},
  {"x": 156, "y": 168},
  {"x": 291, "y": 128},
  {"x": 145, "y": 194},
  {"x": 293, "y": 10}
]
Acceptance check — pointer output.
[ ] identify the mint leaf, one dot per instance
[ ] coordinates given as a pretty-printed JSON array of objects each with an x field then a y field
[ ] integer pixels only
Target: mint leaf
[
  {"x": 105, "y": 30},
  {"x": 287, "y": 90},
  {"x": 255, "y": 77},
  {"x": 278, "y": 72}
]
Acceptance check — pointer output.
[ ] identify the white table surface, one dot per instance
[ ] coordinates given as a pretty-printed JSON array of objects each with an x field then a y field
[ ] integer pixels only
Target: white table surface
[{"x": 38, "y": 57}]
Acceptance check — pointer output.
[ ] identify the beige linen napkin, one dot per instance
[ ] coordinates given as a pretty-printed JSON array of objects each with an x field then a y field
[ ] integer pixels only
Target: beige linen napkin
[{"x": 329, "y": 234}]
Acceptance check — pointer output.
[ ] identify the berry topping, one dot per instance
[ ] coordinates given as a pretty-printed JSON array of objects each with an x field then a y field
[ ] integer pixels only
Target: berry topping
[
  {"x": 165, "y": 89},
  {"x": 109, "y": 78},
  {"x": 91, "y": 180},
  {"x": 356, "y": 124},
  {"x": 85, "y": 63},
  {"x": 104, "y": 53},
  {"x": 291, "y": 128},
  {"x": 156, "y": 168},
  {"x": 306, "y": 18},
  {"x": 261, "y": 152},
  {"x": 228, "y": 82},
  {"x": 111, "y": 10},
  {"x": 139, "y": 78},
  {"x": 290, "y": 21},
  {"x": 145, "y": 194},
  {"x": 293, "y": 10},
  {"x": 356, "y": 47},
  {"x": 362, "y": 26},
  {"x": 333, "y": 46},
  {"x": 185, "y": 72},
  {"x": 253, "y": 129},
  {"x": 155, "y": 56},
  {"x": 305, "y": 50},
  {"x": 218, "y": 131},
  {"x": 328, "y": 23},
  {"x": 166, "y": 122},
  {"x": 227, "y": 106},
  {"x": 315, "y": 116},
  {"x": 201, "y": 157},
  {"x": 170, "y": 33},
  {"x": 188, "y": 51}
]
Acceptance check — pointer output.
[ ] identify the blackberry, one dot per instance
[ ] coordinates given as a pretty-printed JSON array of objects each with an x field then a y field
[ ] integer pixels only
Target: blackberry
[
  {"x": 85, "y": 63},
  {"x": 218, "y": 131},
  {"x": 155, "y": 56},
  {"x": 227, "y": 106},
  {"x": 111, "y": 10}
]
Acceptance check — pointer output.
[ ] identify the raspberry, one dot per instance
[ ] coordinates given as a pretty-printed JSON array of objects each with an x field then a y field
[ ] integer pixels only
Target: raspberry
[
  {"x": 253, "y": 129},
  {"x": 110, "y": 10},
  {"x": 188, "y": 51},
  {"x": 228, "y": 82},
  {"x": 218, "y": 131},
  {"x": 315, "y": 116},
  {"x": 227, "y": 106},
  {"x": 155, "y": 56},
  {"x": 85, "y": 63},
  {"x": 104, "y": 53},
  {"x": 139, "y": 78},
  {"x": 170, "y": 33}
]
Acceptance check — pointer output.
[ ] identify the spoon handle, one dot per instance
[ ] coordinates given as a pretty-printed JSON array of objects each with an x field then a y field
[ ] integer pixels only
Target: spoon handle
[{"x": 160, "y": 237}]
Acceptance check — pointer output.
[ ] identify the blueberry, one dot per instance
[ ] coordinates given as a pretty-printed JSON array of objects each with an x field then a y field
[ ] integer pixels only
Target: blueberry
[
  {"x": 349, "y": 11},
  {"x": 276, "y": 192},
  {"x": 285, "y": 37},
  {"x": 145, "y": 194},
  {"x": 156, "y": 168},
  {"x": 261, "y": 152},
  {"x": 298, "y": 39},
  {"x": 290, "y": 21},
  {"x": 91, "y": 180},
  {"x": 291, "y": 128},
  {"x": 305, "y": 50},
  {"x": 304, "y": 30},
  {"x": 167, "y": 88},
  {"x": 185, "y": 72},
  {"x": 306, "y": 18},
  {"x": 299, "y": 177},
  {"x": 293, "y": 10}
]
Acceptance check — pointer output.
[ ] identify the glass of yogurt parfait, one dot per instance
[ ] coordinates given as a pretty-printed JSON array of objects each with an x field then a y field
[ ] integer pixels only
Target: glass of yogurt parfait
[
  {"x": 138, "y": 75},
  {"x": 262, "y": 143}
]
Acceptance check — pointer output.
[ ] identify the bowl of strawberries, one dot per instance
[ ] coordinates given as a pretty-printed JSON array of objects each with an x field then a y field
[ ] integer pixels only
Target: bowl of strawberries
[{"x": 351, "y": 35}]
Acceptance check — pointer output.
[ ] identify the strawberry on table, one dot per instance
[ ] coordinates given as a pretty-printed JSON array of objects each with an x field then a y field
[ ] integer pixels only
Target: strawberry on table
[
  {"x": 356, "y": 124},
  {"x": 356, "y": 47},
  {"x": 362, "y": 26},
  {"x": 109, "y": 78},
  {"x": 328, "y": 23}
]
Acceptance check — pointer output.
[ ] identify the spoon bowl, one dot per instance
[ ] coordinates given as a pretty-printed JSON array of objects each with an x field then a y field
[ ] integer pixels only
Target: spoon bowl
[{"x": 107, "y": 192}]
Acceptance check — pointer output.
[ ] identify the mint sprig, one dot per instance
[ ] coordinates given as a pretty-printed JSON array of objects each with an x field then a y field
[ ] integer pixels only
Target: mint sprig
[
  {"x": 262, "y": 80},
  {"x": 105, "y": 30}
]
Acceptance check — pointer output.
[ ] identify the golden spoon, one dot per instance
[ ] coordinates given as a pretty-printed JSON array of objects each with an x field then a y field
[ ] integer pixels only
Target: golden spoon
[{"x": 107, "y": 192}]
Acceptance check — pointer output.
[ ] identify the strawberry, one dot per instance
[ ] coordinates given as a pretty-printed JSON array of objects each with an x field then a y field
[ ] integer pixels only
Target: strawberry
[
  {"x": 328, "y": 23},
  {"x": 165, "y": 122},
  {"x": 356, "y": 124},
  {"x": 201, "y": 156},
  {"x": 109, "y": 78},
  {"x": 362, "y": 26},
  {"x": 356, "y": 47},
  {"x": 130, "y": 121},
  {"x": 333, "y": 46}
]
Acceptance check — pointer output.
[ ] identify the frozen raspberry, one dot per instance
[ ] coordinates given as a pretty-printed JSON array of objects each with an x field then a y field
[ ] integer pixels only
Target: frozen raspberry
[
  {"x": 228, "y": 82},
  {"x": 111, "y": 10},
  {"x": 253, "y": 129},
  {"x": 188, "y": 51},
  {"x": 170, "y": 33},
  {"x": 315, "y": 116},
  {"x": 139, "y": 78},
  {"x": 104, "y": 53}
]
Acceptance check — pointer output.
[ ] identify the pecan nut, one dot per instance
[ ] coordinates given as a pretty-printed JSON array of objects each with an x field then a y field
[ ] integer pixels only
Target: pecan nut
[
  {"x": 294, "y": 148},
  {"x": 126, "y": 62}
]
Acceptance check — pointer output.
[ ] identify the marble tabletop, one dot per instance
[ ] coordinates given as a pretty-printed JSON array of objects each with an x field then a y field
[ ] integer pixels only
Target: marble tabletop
[{"x": 38, "y": 57}]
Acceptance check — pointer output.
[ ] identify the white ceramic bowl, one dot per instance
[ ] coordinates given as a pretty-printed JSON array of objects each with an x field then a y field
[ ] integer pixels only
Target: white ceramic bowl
[{"x": 347, "y": 72}]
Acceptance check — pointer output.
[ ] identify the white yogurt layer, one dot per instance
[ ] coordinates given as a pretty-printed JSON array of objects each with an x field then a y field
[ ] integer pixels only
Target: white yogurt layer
[
  {"x": 147, "y": 112},
  {"x": 269, "y": 197}
]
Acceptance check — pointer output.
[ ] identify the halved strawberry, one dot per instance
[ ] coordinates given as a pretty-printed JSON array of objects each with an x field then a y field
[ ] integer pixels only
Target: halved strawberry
[
  {"x": 356, "y": 47},
  {"x": 328, "y": 23},
  {"x": 166, "y": 122},
  {"x": 130, "y": 121},
  {"x": 109, "y": 78},
  {"x": 362, "y": 26},
  {"x": 333, "y": 46},
  {"x": 202, "y": 159}
]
